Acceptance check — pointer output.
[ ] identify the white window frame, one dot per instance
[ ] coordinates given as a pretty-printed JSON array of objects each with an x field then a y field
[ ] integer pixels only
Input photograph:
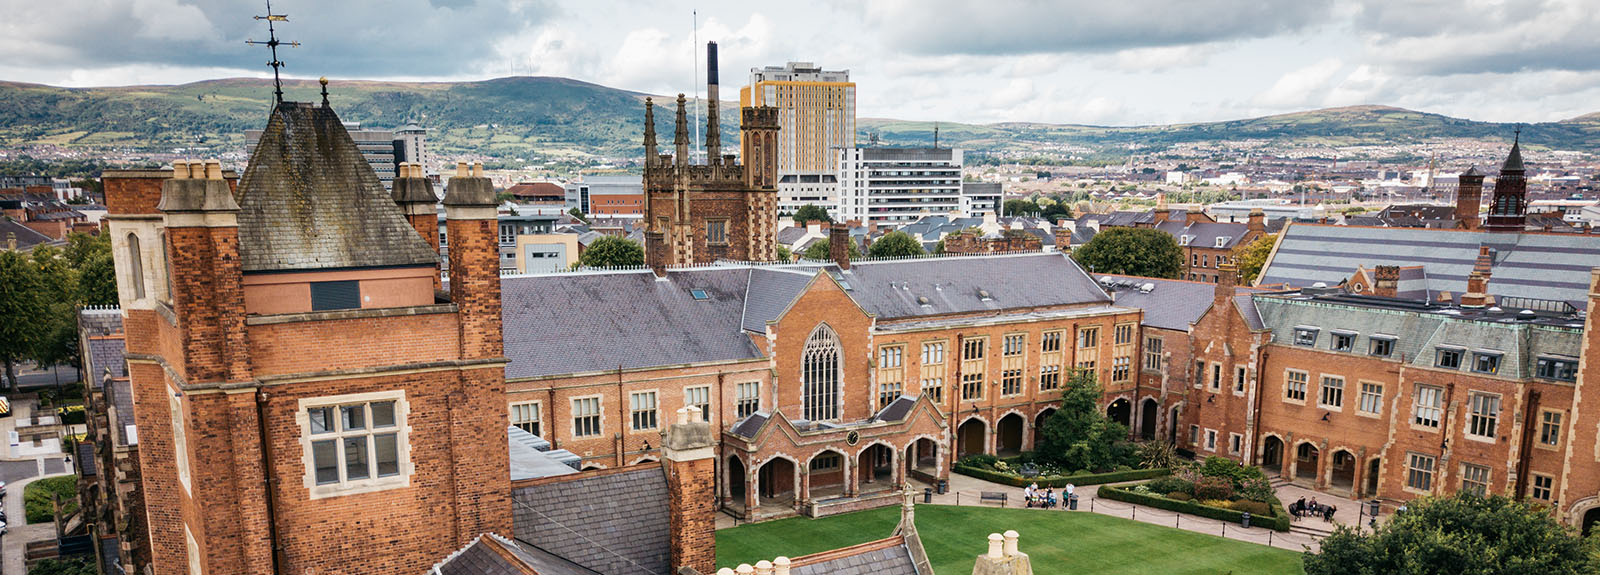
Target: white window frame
[
  {"x": 1549, "y": 429},
  {"x": 536, "y": 410},
  {"x": 705, "y": 407},
  {"x": 1376, "y": 396},
  {"x": 741, "y": 401},
  {"x": 401, "y": 429},
  {"x": 1324, "y": 390},
  {"x": 599, "y": 415},
  {"x": 1483, "y": 415},
  {"x": 1434, "y": 412},
  {"x": 636, "y": 410},
  {"x": 1211, "y": 440},
  {"x": 1291, "y": 386}
]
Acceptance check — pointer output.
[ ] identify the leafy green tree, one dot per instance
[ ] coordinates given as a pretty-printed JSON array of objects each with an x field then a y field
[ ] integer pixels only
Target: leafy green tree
[
  {"x": 895, "y": 244},
  {"x": 1078, "y": 435},
  {"x": 811, "y": 213},
  {"x": 819, "y": 251},
  {"x": 1142, "y": 252},
  {"x": 612, "y": 251},
  {"x": 68, "y": 566},
  {"x": 1462, "y": 533},
  {"x": 785, "y": 254},
  {"x": 90, "y": 255},
  {"x": 23, "y": 311},
  {"x": 1252, "y": 256},
  {"x": 577, "y": 214},
  {"x": 1020, "y": 207}
]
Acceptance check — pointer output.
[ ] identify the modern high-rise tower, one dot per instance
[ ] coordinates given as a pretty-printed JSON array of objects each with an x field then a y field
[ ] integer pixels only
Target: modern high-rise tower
[{"x": 816, "y": 116}]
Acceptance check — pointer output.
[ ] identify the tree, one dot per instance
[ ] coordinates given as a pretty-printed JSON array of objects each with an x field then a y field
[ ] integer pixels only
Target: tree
[
  {"x": 90, "y": 255},
  {"x": 23, "y": 314},
  {"x": 612, "y": 251},
  {"x": 577, "y": 214},
  {"x": 1020, "y": 207},
  {"x": 1252, "y": 257},
  {"x": 811, "y": 213},
  {"x": 1142, "y": 252},
  {"x": 895, "y": 244},
  {"x": 785, "y": 254},
  {"x": 820, "y": 251},
  {"x": 1078, "y": 435},
  {"x": 1462, "y": 533}
]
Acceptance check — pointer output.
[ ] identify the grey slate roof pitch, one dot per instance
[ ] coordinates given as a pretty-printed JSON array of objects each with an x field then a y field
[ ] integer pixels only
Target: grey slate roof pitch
[
  {"x": 578, "y": 323},
  {"x": 107, "y": 354},
  {"x": 308, "y": 200},
  {"x": 26, "y": 237},
  {"x": 1205, "y": 234},
  {"x": 890, "y": 289},
  {"x": 490, "y": 554},
  {"x": 770, "y": 293},
  {"x": 1170, "y": 304},
  {"x": 615, "y": 522},
  {"x": 1541, "y": 266},
  {"x": 121, "y": 394},
  {"x": 894, "y": 560}
]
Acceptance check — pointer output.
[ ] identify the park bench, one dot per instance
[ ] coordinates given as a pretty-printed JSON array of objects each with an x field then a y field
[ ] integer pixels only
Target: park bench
[{"x": 993, "y": 496}]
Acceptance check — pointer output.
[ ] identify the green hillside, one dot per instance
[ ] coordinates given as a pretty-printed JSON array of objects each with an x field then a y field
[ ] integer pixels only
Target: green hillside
[{"x": 562, "y": 118}]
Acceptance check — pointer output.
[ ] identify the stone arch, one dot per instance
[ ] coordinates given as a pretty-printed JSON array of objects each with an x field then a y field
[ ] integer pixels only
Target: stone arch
[
  {"x": 1038, "y": 424},
  {"x": 1307, "y": 460},
  {"x": 736, "y": 478},
  {"x": 1149, "y": 411},
  {"x": 135, "y": 266},
  {"x": 1008, "y": 433},
  {"x": 1342, "y": 469},
  {"x": 1585, "y": 515},
  {"x": 1121, "y": 411},
  {"x": 972, "y": 436},
  {"x": 777, "y": 478},
  {"x": 1272, "y": 450},
  {"x": 590, "y": 466},
  {"x": 921, "y": 456},
  {"x": 829, "y": 480},
  {"x": 876, "y": 466},
  {"x": 643, "y": 459},
  {"x": 821, "y": 374}
]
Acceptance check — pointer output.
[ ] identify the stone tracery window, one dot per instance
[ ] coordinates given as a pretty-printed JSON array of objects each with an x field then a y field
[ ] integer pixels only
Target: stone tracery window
[{"x": 820, "y": 375}]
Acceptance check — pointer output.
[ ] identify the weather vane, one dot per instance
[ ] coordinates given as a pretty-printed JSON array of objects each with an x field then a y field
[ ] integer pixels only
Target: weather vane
[{"x": 272, "y": 43}]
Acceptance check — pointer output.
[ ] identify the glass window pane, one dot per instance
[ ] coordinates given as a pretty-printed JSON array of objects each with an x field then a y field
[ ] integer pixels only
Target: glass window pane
[
  {"x": 353, "y": 417},
  {"x": 383, "y": 414},
  {"x": 325, "y": 458},
  {"x": 321, "y": 419},
  {"x": 388, "y": 454},
  {"x": 355, "y": 458}
]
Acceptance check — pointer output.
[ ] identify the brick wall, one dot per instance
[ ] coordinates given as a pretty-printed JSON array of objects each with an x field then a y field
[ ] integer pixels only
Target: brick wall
[{"x": 692, "y": 503}]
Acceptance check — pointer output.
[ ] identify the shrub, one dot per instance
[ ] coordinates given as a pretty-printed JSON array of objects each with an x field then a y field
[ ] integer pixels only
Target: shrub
[
  {"x": 1179, "y": 496},
  {"x": 1171, "y": 484},
  {"x": 1218, "y": 503},
  {"x": 36, "y": 500},
  {"x": 1256, "y": 508},
  {"x": 1256, "y": 489},
  {"x": 1015, "y": 480},
  {"x": 979, "y": 460},
  {"x": 1213, "y": 488},
  {"x": 1278, "y": 520},
  {"x": 1156, "y": 454}
]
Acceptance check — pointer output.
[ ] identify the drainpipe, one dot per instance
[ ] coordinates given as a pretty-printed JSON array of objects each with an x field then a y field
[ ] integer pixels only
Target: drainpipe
[
  {"x": 266, "y": 478},
  {"x": 1530, "y": 422}
]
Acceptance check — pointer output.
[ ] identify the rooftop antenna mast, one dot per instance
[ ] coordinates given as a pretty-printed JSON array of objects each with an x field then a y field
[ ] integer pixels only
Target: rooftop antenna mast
[{"x": 272, "y": 44}]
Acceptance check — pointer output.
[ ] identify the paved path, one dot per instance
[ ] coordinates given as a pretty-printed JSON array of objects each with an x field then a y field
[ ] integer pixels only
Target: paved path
[{"x": 13, "y": 544}]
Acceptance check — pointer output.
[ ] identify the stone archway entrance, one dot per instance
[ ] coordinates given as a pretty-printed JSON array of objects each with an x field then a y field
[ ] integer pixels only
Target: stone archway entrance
[
  {"x": 1038, "y": 424},
  {"x": 1272, "y": 454},
  {"x": 922, "y": 460},
  {"x": 876, "y": 468},
  {"x": 736, "y": 479},
  {"x": 1306, "y": 458},
  {"x": 1172, "y": 425},
  {"x": 775, "y": 483},
  {"x": 1008, "y": 435},
  {"x": 970, "y": 437},
  {"x": 1121, "y": 411},
  {"x": 1342, "y": 471},
  {"x": 1147, "y": 419},
  {"x": 1591, "y": 521},
  {"x": 825, "y": 475}
]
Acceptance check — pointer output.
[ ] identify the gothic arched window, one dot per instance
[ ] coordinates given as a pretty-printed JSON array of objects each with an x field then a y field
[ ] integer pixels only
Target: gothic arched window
[
  {"x": 819, "y": 377},
  {"x": 136, "y": 266}
]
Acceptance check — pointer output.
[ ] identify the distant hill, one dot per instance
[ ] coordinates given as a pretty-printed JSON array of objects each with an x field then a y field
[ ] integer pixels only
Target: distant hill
[{"x": 559, "y": 117}]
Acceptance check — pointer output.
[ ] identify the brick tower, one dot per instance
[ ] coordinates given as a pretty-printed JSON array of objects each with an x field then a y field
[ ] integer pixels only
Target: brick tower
[
  {"x": 305, "y": 401},
  {"x": 1509, "y": 210},
  {"x": 689, "y": 457},
  {"x": 1469, "y": 197},
  {"x": 720, "y": 210}
]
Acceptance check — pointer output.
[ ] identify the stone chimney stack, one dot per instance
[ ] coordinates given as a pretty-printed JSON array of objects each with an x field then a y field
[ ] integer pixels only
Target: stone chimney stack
[
  {"x": 1469, "y": 195},
  {"x": 839, "y": 246},
  {"x": 1386, "y": 281},
  {"x": 680, "y": 135},
  {"x": 413, "y": 192},
  {"x": 201, "y": 220},
  {"x": 690, "y": 463},
  {"x": 1063, "y": 235},
  {"x": 1477, "y": 294},
  {"x": 655, "y": 252},
  {"x": 1003, "y": 557},
  {"x": 1227, "y": 279},
  {"x": 650, "y": 153},
  {"x": 474, "y": 230},
  {"x": 713, "y": 125},
  {"x": 1257, "y": 222}
]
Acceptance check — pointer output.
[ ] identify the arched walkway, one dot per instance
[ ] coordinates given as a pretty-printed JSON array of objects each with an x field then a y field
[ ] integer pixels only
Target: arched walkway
[
  {"x": 776, "y": 483},
  {"x": 1147, "y": 419},
  {"x": 736, "y": 479},
  {"x": 1008, "y": 435},
  {"x": 876, "y": 469},
  {"x": 1372, "y": 475},
  {"x": 1272, "y": 454},
  {"x": 1591, "y": 520},
  {"x": 826, "y": 474},
  {"x": 1038, "y": 424},
  {"x": 1342, "y": 471},
  {"x": 1121, "y": 411},
  {"x": 970, "y": 438},
  {"x": 922, "y": 459},
  {"x": 1305, "y": 461},
  {"x": 1172, "y": 425}
]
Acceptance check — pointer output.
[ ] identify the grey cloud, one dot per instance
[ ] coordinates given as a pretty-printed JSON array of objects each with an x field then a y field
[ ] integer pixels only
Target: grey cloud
[
  {"x": 1439, "y": 38},
  {"x": 360, "y": 38},
  {"x": 1097, "y": 26}
]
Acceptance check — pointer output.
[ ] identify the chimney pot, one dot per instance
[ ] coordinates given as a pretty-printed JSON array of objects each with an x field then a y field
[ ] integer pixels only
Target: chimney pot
[
  {"x": 477, "y": 169},
  {"x": 745, "y": 569},
  {"x": 996, "y": 543},
  {"x": 213, "y": 169},
  {"x": 463, "y": 170},
  {"x": 180, "y": 170},
  {"x": 1011, "y": 543},
  {"x": 780, "y": 566},
  {"x": 763, "y": 567}
]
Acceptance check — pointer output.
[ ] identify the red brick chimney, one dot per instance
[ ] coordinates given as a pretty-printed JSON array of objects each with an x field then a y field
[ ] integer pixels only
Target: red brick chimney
[
  {"x": 1386, "y": 281},
  {"x": 690, "y": 463},
  {"x": 655, "y": 253},
  {"x": 839, "y": 246},
  {"x": 1257, "y": 222},
  {"x": 413, "y": 192},
  {"x": 206, "y": 271},
  {"x": 1063, "y": 236},
  {"x": 1227, "y": 280},
  {"x": 1469, "y": 196},
  {"x": 473, "y": 225}
]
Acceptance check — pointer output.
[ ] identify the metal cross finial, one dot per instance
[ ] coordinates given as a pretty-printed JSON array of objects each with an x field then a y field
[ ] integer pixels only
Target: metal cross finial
[{"x": 272, "y": 44}]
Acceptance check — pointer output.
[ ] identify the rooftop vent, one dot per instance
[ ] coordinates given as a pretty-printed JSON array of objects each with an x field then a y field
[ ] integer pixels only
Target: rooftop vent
[
  {"x": 984, "y": 295},
  {"x": 923, "y": 300},
  {"x": 1147, "y": 288},
  {"x": 1320, "y": 285}
]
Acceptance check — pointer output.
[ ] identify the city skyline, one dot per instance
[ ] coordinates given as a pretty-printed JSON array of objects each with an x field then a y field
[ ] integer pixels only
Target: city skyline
[{"x": 1070, "y": 62}]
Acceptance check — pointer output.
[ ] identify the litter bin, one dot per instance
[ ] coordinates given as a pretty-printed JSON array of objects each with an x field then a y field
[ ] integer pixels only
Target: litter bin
[
  {"x": 927, "y": 495},
  {"x": 944, "y": 486},
  {"x": 1244, "y": 520},
  {"x": 1072, "y": 503}
]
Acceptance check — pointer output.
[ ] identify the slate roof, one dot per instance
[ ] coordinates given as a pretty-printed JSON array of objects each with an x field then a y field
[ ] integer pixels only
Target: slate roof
[
  {"x": 752, "y": 423},
  {"x": 491, "y": 554},
  {"x": 1205, "y": 234},
  {"x": 577, "y": 323},
  {"x": 770, "y": 293},
  {"x": 26, "y": 237},
  {"x": 107, "y": 353},
  {"x": 110, "y": 555},
  {"x": 1172, "y": 304},
  {"x": 120, "y": 393},
  {"x": 1542, "y": 266},
  {"x": 890, "y": 289},
  {"x": 88, "y": 464},
  {"x": 897, "y": 409},
  {"x": 1247, "y": 310},
  {"x": 791, "y": 234},
  {"x": 100, "y": 321},
  {"x": 614, "y": 522},
  {"x": 895, "y": 560},
  {"x": 308, "y": 200}
]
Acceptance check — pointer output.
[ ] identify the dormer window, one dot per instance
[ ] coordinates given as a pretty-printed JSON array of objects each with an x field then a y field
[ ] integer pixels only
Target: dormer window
[
  {"x": 1449, "y": 358},
  {"x": 1305, "y": 336},
  {"x": 1486, "y": 361},
  {"x": 1185, "y": 239},
  {"x": 983, "y": 295},
  {"x": 1343, "y": 340},
  {"x": 1222, "y": 242},
  {"x": 1381, "y": 346}
]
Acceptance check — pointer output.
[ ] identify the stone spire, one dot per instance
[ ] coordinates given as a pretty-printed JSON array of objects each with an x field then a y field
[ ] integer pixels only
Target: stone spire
[
  {"x": 680, "y": 135},
  {"x": 650, "y": 157},
  {"x": 1508, "y": 209}
]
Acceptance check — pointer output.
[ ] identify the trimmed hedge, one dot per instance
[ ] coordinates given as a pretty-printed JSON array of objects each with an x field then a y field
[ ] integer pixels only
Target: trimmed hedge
[
  {"x": 1059, "y": 480},
  {"x": 1280, "y": 520}
]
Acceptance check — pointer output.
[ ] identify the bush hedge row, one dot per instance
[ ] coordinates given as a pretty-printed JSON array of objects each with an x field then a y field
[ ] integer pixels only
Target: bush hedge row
[
  {"x": 1279, "y": 521},
  {"x": 1060, "y": 480}
]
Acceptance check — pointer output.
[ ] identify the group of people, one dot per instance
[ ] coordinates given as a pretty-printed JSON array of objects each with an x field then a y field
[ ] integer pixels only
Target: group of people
[
  {"x": 1301, "y": 508},
  {"x": 1045, "y": 499}
]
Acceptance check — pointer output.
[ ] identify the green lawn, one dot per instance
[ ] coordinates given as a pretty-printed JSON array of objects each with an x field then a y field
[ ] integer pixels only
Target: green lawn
[{"x": 1058, "y": 542}]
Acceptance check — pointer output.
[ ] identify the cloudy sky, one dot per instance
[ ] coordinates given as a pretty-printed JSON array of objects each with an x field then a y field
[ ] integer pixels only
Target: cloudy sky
[{"x": 1077, "y": 61}]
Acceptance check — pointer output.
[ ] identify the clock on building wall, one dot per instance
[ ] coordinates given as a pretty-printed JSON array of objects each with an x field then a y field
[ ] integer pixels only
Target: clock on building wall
[{"x": 852, "y": 438}]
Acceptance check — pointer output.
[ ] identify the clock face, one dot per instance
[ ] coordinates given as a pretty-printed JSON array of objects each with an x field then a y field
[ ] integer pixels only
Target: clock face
[{"x": 852, "y": 438}]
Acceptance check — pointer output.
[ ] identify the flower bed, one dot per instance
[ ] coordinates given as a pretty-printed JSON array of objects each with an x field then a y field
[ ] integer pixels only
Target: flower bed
[
  {"x": 1279, "y": 520},
  {"x": 1081, "y": 478}
]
